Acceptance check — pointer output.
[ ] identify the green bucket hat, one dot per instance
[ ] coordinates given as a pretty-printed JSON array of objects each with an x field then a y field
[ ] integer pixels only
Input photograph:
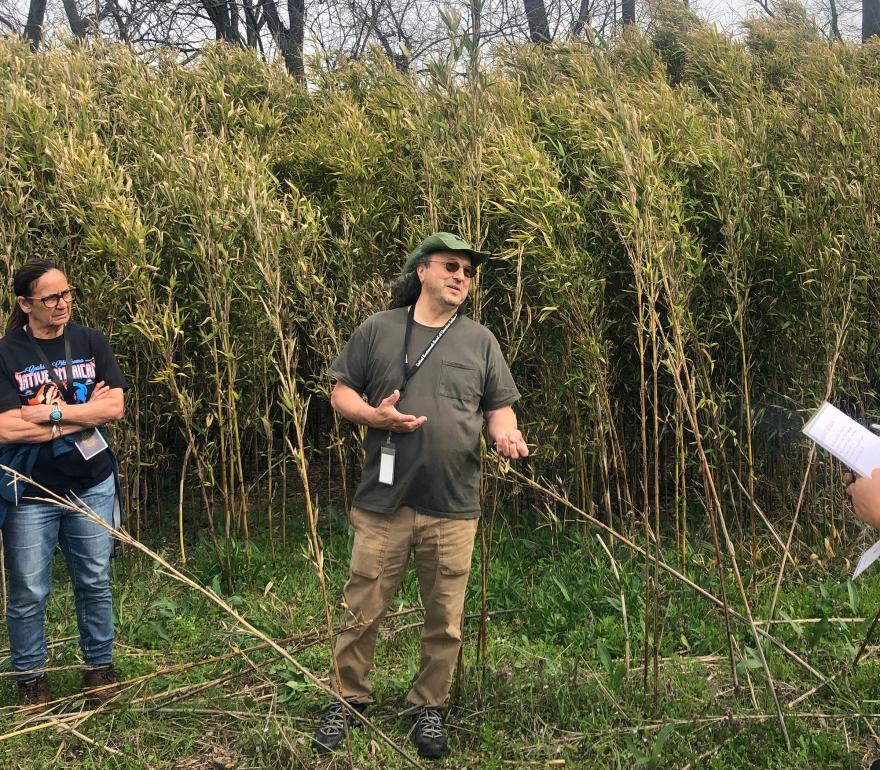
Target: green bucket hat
[{"x": 442, "y": 242}]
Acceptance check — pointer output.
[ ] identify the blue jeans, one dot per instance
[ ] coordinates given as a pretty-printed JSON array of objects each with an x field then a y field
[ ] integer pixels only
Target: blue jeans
[{"x": 30, "y": 533}]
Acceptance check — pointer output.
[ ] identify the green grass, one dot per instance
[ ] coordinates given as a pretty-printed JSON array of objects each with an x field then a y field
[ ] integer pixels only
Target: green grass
[{"x": 555, "y": 687}]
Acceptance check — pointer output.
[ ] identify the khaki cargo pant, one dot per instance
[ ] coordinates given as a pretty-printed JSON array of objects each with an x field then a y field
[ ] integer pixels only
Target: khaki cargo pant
[{"x": 442, "y": 549}]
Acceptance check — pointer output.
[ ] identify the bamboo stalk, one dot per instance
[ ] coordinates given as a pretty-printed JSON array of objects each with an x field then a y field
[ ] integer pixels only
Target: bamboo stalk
[
  {"x": 180, "y": 528},
  {"x": 213, "y": 597},
  {"x": 841, "y": 332},
  {"x": 485, "y": 559},
  {"x": 546, "y": 491},
  {"x": 686, "y": 392},
  {"x": 655, "y": 375},
  {"x": 622, "y": 601}
]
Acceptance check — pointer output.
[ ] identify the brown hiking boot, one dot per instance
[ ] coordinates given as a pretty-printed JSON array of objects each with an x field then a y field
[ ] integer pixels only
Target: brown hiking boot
[
  {"x": 34, "y": 692},
  {"x": 97, "y": 683}
]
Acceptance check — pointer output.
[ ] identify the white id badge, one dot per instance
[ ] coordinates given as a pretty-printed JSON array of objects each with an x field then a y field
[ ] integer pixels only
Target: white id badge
[
  {"x": 386, "y": 464},
  {"x": 90, "y": 442}
]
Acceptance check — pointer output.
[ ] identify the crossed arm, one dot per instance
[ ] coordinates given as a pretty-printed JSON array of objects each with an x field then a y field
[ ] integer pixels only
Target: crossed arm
[{"x": 31, "y": 424}]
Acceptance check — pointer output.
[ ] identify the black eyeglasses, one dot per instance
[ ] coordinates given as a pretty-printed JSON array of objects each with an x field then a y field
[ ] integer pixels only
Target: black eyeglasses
[
  {"x": 452, "y": 266},
  {"x": 52, "y": 300}
]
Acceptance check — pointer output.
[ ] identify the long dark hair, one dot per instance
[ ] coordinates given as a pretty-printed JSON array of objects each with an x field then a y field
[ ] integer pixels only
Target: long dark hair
[
  {"x": 22, "y": 285},
  {"x": 406, "y": 288}
]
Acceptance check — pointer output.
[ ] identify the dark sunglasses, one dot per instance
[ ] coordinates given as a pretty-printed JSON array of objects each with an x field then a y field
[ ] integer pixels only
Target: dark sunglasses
[
  {"x": 453, "y": 266},
  {"x": 52, "y": 300}
]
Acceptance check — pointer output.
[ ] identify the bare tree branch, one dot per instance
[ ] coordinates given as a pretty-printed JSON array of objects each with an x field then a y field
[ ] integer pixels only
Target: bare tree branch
[
  {"x": 585, "y": 12},
  {"x": 8, "y": 23},
  {"x": 835, "y": 29},
  {"x": 77, "y": 24},
  {"x": 291, "y": 52},
  {"x": 539, "y": 28},
  {"x": 221, "y": 13},
  {"x": 33, "y": 28},
  {"x": 765, "y": 5},
  {"x": 870, "y": 19},
  {"x": 254, "y": 21}
]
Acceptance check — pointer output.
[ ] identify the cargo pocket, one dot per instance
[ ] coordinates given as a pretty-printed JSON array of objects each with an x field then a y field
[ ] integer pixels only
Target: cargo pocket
[
  {"x": 456, "y": 546},
  {"x": 370, "y": 538},
  {"x": 366, "y": 561},
  {"x": 460, "y": 382}
]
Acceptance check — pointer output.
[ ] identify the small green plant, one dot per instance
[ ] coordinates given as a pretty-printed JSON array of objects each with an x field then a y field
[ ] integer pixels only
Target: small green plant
[{"x": 652, "y": 758}]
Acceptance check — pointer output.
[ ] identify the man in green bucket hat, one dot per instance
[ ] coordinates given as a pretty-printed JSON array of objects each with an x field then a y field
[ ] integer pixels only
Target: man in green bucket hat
[{"x": 423, "y": 378}]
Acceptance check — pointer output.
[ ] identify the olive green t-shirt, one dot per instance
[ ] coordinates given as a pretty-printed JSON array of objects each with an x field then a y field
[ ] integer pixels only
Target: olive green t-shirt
[{"x": 436, "y": 467}]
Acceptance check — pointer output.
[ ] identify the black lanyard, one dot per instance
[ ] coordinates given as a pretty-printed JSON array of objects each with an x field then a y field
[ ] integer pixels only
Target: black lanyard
[
  {"x": 68, "y": 365},
  {"x": 409, "y": 371}
]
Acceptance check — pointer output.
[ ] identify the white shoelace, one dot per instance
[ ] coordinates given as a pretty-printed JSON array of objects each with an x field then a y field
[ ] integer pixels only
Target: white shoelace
[
  {"x": 430, "y": 723},
  {"x": 334, "y": 720}
]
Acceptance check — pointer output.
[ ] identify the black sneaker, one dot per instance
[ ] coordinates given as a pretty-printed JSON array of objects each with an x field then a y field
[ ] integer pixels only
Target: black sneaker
[
  {"x": 34, "y": 692},
  {"x": 331, "y": 731},
  {"x": 428, "y": 733}
]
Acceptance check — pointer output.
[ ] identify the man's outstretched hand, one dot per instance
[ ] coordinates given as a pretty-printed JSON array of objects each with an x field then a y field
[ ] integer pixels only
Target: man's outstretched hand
[
  {"x": 386, "y": 417},
  {"x": 512, "y": 445}
]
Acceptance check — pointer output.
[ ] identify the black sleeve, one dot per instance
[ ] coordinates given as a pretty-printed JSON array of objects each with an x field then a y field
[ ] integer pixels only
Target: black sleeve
[
  {"x": 350, "y": 366},
  {"x": 500, "y": 389},
  {"x": 9, "y": 397},
  {"x": 106, "y": 367}
]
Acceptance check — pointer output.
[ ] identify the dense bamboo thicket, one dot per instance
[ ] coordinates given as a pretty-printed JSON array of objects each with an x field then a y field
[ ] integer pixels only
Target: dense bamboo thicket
[{"x": 685, "y": 226}]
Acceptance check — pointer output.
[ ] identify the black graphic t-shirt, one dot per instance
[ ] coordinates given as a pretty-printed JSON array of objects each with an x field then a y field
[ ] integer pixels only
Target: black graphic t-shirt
[{"x": 24, "y": 381}]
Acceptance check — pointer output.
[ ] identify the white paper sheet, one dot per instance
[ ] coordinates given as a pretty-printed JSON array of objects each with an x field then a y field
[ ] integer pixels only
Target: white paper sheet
[
  {"x": 855, "y": 446},
  {"x": 849, "y": 441},
  {"x": 867, "y": 559}
]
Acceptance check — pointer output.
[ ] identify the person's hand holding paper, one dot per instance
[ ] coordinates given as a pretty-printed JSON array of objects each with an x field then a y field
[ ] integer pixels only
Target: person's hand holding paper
[
  {"x": 865, "y": 495},
  {"x": 858, "y": 448},
  {"x": 850, "y": 442}
]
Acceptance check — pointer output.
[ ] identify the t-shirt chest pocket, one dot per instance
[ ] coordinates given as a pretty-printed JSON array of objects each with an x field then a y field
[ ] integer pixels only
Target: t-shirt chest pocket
[{"x": 460, "y": 382}]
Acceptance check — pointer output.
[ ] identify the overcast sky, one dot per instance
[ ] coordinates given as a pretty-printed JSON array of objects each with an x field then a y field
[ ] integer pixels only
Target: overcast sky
[{"x": 726, "y": 14}]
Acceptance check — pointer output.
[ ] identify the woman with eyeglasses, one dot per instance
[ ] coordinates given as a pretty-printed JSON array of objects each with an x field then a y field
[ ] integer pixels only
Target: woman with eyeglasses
[{"x": 59, "y": 385}]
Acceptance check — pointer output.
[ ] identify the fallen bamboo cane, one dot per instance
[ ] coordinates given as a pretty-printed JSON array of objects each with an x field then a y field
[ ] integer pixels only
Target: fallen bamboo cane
[
  {"x": 664, "y": 566},
  {"x": 126, "y": 538}
]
